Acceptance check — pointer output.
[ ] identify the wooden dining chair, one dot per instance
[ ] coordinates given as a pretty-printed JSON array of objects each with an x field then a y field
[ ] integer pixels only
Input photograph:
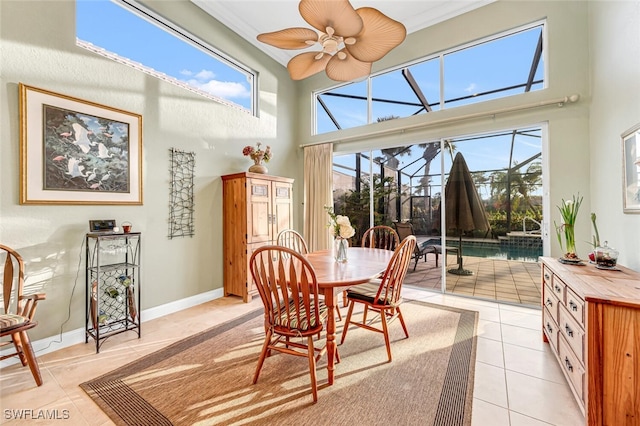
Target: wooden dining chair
[
  {"x": 288, "y": 288},
  {"x": 383, "y": 295},
  {"x": 18, "y": 313},
  {"x": 295, "y": 241},
  {"x": 292, "y": 239},
  {"x": 381, "y": 236}
]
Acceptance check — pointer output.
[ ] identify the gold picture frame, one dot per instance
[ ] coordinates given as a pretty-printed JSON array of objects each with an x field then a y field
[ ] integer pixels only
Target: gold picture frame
[
  {"x": 631, "y": 170},
  {"x": 74, "y": 151}
]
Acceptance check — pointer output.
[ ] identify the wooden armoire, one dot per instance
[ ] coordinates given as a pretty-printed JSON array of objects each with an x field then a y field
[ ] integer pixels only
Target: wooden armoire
[{"x": 256, "y": 207}]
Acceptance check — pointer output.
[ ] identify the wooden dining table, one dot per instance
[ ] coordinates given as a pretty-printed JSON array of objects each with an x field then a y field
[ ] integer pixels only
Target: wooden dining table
[{"x": 333, "y": 278}]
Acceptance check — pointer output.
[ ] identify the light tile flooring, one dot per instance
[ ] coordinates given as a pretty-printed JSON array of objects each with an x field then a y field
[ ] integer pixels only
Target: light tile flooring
[
  {"x": 517, "y": 381},
  {"x": 492, "y": 279}
]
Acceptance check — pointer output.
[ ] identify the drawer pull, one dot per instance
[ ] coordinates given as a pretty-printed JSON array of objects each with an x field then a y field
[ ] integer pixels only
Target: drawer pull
[
  {"x": 549, "y": 303},
  {"x": 549, "y": 328},
  {"x": 547, "y": 276},
  {"x": 568, "y": 364},
  {"x": 573, "y": 306},
  {"x": 558, "y": 289},
  {"x": 568, "y": 330}
]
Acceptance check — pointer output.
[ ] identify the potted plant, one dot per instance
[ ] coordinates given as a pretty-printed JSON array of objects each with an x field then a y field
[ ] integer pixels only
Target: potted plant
[{"x": 569, "y": 213}]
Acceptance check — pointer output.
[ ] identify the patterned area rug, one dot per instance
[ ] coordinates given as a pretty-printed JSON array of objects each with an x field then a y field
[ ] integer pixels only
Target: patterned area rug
[{"x": 206, "y": 379}]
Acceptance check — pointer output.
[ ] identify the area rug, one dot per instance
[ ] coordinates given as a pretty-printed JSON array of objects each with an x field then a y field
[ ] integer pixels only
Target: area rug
[{"x": 206, "y": 379}]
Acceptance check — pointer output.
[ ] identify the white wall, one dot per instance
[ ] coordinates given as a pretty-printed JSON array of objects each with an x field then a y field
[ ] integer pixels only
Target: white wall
[
  {"x": 614, "y": 46},
  {"x": 38, "y": 49}
]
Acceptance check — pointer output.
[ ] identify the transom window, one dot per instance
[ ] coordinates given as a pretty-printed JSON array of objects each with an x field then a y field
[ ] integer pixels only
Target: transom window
[
  {"x": 497, "y": 67},
  {"x": 126, "y": 32}
]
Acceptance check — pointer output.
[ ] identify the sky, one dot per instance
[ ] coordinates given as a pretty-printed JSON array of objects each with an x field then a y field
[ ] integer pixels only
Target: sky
[{"x": 110, "y": 26}]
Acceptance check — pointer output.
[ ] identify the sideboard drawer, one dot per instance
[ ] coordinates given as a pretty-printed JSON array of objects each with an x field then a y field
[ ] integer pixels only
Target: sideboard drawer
[
  {"x": 571, "y": 367},
  {"x": 558, "y": 287},
  {"x": 550, "y": 329},
  {"x": 547, "y": 275},
  {"x": 573, "y": 333},
  {"x": 551, "y": 302},
  {"x": 575, "y": 306}
]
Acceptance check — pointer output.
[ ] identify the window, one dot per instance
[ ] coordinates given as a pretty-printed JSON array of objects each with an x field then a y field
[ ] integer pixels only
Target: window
[
  {"x": 133, "y": 35},
  {"x": 506, "y": 167},
  {"x": 501, "y": 66}
]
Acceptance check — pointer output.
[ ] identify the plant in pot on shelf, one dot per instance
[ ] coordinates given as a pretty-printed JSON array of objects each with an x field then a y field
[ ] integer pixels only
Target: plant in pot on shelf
[{"x": 569, "y": 212}]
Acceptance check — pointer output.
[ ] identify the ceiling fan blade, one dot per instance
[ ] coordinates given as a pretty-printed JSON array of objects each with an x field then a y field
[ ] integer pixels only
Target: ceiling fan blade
[
  {"x": 347, "y": 69},
  {"x": 379, "y": 35},
  {"x": 337, "y": 14},
  {"x": 305, "y": 64},
  {"x": 290, "y": 38}
]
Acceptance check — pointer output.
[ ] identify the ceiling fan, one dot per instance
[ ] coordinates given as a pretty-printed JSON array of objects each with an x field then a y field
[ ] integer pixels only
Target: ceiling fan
[{"x": 351, "y": 39}]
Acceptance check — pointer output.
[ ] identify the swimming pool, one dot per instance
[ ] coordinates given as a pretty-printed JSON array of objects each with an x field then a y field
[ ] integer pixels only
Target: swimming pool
[{"x": 495, "y": 250}]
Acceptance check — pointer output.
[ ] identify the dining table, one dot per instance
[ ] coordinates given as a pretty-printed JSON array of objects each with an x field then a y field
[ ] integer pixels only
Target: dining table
[{"x": 333, "y": 277}]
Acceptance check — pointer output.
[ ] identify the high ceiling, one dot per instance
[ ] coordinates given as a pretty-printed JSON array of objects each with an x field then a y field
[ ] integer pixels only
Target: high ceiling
[{"x": 248, "y": 18}]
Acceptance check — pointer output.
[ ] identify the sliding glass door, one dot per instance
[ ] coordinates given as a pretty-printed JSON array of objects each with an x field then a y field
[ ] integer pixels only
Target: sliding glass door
[{"x": 480, "y": 237}]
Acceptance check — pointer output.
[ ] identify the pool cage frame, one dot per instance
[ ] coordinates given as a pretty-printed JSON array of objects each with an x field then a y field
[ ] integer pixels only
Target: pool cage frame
[{"x": 400, "y": 199}]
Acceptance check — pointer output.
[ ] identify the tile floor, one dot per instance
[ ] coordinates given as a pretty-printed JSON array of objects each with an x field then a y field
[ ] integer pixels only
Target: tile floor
[{"x": 517, "y": 382}]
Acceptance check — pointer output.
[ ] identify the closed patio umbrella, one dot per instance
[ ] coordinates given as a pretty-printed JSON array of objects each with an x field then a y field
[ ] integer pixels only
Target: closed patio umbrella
[{"x": 463, "y": 208}]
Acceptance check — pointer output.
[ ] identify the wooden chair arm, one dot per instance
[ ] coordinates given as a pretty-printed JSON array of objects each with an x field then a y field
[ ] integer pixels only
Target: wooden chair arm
[{"x": 31, "y": 302}]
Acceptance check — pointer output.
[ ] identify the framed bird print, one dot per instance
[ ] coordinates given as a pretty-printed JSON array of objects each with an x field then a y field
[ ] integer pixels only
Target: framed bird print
[{"x": 74, "y": 151}]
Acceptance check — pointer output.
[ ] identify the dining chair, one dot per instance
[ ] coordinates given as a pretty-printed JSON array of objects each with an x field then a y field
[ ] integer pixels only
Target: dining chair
[
  {"x": 295, "y": 241},
  {"x": 288, "y": 288},
  {"x": 383, "y": 295},
  {"x": 380, "y": 236},
  {"x": 292, "y": 239},
  {"x": 17, "y": 316}
]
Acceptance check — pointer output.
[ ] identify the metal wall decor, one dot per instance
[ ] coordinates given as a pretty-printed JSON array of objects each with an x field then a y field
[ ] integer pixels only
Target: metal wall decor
[{"x": 181, "y": 205}]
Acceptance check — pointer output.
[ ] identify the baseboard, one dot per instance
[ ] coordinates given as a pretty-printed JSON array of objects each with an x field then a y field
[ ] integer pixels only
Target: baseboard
[{"x": 73, "y": 337}]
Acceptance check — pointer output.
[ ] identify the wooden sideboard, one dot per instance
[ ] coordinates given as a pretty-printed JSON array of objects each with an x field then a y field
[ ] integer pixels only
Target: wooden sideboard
[
  {"x": 256, "y": 208},
  {"x": 591, "y": 319}
]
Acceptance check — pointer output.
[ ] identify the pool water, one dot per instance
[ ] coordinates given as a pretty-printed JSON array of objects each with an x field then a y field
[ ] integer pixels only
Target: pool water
[
  {"x": 497, "y": 250},
  {"x": 523, "y": 254}
]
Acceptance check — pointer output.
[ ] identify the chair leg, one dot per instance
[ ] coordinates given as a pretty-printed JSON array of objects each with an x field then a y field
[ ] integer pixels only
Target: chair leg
[
  {"x": 263, "y": 355},
  {"x": 364, "y": 315},
  {"x": 312, "y": 368},
  {"x": 404, "y": 326},
  {"x": 17, "y": 343},
  {"x": 31, "y": 358},
  {"x": 385, "y": 331},
  {"x": 347, "y": 322}
]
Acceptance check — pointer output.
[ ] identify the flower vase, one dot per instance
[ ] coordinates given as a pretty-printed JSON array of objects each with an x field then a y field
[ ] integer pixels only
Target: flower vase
[
  {"x": 340, "y": 246},
  {"x": 258, "y": 167},
  {"x": 570, "y": 239}
]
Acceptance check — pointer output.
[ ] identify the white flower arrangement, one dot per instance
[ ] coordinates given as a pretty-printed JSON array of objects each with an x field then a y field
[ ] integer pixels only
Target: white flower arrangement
[{"x": 340, "y": 225}]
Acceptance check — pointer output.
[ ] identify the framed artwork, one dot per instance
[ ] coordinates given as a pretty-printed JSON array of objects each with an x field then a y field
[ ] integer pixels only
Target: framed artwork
[
  {"x": 77, "y": 152},
  {"x": 631, "y": 170}
]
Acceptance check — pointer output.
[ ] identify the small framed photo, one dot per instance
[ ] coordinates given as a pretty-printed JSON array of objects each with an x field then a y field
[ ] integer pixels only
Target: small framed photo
[
  {"x": 631, "y": 169},
  {"x": 74, "y": 151}
]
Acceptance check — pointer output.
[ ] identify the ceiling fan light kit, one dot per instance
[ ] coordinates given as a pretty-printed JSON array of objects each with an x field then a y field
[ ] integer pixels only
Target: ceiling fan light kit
[{"x": 350, "y": 39}]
